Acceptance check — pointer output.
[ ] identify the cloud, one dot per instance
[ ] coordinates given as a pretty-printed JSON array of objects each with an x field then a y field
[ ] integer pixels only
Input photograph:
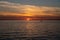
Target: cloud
[{"x": 20, "y": 9}]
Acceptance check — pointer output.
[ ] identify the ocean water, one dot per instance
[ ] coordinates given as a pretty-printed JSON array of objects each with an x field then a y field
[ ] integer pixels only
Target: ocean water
[{"x": 29, "y": 30}]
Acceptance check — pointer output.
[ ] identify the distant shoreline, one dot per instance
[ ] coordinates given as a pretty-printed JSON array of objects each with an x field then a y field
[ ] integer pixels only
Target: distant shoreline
[
  {"x": 30, "y": 17},
  {"x": 36, "y": 19}
]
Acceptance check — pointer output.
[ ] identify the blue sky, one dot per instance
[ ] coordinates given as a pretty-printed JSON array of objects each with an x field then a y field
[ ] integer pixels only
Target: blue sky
[
  {"x": 37, "y": 2},
  {"x": 30, "y": 7}
]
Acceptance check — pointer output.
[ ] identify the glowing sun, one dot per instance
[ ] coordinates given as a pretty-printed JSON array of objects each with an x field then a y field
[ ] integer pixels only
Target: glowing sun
[{"x": 28, "y": 19}]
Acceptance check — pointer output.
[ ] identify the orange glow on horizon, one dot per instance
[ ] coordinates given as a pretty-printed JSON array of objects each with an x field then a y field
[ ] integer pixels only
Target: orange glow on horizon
[{"x": 27, "y": 14}]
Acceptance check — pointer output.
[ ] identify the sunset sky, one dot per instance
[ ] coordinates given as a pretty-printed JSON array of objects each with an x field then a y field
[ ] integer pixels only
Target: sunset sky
[{"x": 30, "y": 7}]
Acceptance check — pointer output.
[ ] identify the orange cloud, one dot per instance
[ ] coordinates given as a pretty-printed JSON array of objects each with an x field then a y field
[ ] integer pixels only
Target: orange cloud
[{"x": 27, "y": 10}]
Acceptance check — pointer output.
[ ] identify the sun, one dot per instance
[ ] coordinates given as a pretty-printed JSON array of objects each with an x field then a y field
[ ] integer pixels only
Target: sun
[{"x": 28, "y": 19}]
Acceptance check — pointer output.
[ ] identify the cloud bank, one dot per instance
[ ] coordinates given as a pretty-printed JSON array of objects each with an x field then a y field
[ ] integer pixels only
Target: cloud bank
[{"x": 8, "y": 8}]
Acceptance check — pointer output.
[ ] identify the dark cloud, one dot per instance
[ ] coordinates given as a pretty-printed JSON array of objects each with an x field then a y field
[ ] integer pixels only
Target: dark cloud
[{"x": 3, "y": 0}]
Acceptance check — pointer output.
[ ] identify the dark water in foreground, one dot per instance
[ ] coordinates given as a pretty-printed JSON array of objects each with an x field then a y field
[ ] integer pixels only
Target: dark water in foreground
[{"x": 29, "y": 30}]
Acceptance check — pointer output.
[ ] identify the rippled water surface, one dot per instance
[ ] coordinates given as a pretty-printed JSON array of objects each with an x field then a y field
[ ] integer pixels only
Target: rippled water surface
[{"x": 29, "y": 30}]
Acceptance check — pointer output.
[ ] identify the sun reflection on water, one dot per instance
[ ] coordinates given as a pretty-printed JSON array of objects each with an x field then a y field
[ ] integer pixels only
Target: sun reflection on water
[{"x": 31, "y": 28}]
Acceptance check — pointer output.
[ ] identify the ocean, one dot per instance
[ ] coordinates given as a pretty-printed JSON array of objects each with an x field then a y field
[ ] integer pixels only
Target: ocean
[{"x": 30, "y": 30}]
